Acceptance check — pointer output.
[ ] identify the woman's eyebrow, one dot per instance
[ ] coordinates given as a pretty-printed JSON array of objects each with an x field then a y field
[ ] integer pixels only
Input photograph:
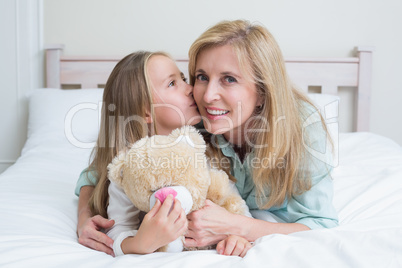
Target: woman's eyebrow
[
  {"x": 230, "y": 74},
  {"x": 200, "y": 71}
]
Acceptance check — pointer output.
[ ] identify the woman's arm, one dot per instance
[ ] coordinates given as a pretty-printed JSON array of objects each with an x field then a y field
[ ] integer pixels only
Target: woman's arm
[
  {"x": 213, "y": 223},
  {"x": 88, "y": 228}
]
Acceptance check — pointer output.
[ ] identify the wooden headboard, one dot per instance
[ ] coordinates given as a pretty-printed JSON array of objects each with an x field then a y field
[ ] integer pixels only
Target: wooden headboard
[{"x": 327, "y": 73}]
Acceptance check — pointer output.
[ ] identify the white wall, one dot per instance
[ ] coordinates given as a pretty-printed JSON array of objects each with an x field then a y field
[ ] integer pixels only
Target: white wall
[
  {"x": 302, "y": 28},
  {"x": 106, "y": 27},
  {"x": 20, "y": 72}
]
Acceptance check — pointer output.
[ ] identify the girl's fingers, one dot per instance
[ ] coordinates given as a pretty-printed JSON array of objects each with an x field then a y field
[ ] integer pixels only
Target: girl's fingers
[
  {"x": 233, "y": 246},
  {"x": 176, "y": 211},
  {"x": 167, "y": 205},
  {"x": 182, "y": 222},
  {"x": 155, "y": 208},
  {"x": 238, "y": 249},
  {"x": 245, "y": 250},
  {"x": 220, "y": 247},
  {"x": 229, "y": 247}
]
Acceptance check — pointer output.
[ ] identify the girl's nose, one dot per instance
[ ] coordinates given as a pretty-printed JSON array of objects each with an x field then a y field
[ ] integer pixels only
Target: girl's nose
[{"x": 188, "y": 90}]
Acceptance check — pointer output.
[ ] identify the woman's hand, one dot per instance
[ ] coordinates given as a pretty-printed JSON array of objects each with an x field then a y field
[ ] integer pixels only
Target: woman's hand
[
  {"x": 89, "y": 234},
  {"x": 233, "y": 245},
  {"x": 208, "y": 225},
  {"x": 89, "y": 227},
  {"x": 213, "y": 223},
  {"x": 160, "y": 226}
]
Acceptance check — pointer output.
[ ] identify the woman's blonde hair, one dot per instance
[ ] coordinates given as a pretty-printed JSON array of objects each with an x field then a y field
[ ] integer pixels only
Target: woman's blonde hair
[
  {"x": 127, "y": 98},
  {"x": 281, "y": 113}
]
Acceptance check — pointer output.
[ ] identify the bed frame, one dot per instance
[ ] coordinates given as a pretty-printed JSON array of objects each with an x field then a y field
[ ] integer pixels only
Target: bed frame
[{"x": 327, "y": 73}]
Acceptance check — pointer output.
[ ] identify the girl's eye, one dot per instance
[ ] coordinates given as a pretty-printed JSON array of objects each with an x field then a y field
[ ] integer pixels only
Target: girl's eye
[
  {"x": 201, "y": 77},
  {"x": 171, "y": 84},
  {"x": 185, "y": 80},
  {"x": 230, "y": 79}
]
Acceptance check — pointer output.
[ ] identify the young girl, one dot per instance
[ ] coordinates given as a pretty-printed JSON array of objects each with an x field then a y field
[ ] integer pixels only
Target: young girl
[
  {"x": 256, "y": 118},
  {"x": 146, "y": 94}
]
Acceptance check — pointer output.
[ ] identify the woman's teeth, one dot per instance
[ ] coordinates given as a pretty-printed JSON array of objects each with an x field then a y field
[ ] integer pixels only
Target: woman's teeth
[{"x": 217, "y": 112}]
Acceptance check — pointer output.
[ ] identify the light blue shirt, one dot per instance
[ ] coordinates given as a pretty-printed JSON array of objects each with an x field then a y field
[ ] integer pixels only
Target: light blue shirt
[
  {"x": 312, "y": 208},
  {"x": 85, "y": 179}
]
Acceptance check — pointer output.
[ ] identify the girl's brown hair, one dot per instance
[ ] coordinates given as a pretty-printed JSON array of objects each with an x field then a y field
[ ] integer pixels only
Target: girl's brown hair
[
  {"x": 260, "y": 58},
  {"x": 127, "y": 98}
]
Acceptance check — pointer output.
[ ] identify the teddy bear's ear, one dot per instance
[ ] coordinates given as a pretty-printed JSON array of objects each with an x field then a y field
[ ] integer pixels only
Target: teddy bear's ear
[{"x": 115, "y": 169}]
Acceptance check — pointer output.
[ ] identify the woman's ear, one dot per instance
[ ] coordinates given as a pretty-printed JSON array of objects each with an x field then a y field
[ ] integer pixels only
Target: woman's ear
[{"x": 259, "y": 104}]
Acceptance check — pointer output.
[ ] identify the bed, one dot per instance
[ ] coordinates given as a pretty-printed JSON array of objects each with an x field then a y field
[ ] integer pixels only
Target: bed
[{"x": 38, "y": 207}]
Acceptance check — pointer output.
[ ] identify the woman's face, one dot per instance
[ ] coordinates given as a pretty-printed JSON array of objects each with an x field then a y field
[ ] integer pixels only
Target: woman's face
[
  {"x": 173, "y": 100},
  {"x": 225, "y": 97}
]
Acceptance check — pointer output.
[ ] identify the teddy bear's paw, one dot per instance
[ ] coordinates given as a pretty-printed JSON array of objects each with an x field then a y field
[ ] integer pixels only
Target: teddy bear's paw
[
  {"x": 235, "y": 205},
  {"x": 175, "y": 246},
  {"x": 199, "y": 248},
  {"x": 162, "y": 249}
]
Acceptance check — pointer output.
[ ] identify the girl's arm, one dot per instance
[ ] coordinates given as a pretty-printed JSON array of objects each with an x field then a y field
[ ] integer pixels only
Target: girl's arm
[
  {"x": 88, "y": 228},
  {"x": 158, "y": 228},
  {"x": 213, "y": 223}
]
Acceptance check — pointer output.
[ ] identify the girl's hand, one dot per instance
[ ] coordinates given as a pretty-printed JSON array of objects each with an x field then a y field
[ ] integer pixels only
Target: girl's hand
[
  {"x": 161, "y": 225},
  {"x": 208, "y": 225},
  {"x": 89, "y": 234},
  {"x": 233, "y": 245}
]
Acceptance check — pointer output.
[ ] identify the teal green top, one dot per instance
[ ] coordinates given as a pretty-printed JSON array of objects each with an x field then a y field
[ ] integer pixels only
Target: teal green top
[
  {"x": 85, "y": 179},
  {"x": 312, "y": 208}
]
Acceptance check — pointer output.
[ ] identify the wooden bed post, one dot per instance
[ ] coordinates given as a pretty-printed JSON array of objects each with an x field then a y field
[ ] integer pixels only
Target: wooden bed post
[
  {"x": 364, "y": 88},
  {"x": 53, "y": 65}
]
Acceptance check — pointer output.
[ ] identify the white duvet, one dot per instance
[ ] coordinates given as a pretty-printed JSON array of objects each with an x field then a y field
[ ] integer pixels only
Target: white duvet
[{"x": 38, "y": 211}]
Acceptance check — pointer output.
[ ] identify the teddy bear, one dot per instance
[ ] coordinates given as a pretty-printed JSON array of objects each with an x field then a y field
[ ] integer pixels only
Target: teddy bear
[{"x": 156, "y": 166}]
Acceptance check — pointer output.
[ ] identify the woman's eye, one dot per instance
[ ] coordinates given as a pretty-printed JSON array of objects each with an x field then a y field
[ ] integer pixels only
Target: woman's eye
[
  {"x": 201, "y": 77},
  {"x": 230, "y": 79},
  {"x": 171, "y": 84}
]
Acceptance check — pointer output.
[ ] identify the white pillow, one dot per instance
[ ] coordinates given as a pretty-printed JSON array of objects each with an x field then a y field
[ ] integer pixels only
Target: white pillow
[{"x": 72, "y": 115}]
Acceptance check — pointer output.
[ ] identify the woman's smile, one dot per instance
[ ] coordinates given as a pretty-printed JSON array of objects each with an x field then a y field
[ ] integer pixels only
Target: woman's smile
[{"x": 215, "y": 113}]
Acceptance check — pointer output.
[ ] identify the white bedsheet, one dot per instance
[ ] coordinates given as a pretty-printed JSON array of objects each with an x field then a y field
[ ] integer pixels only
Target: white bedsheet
[{"x": 38, "y": 211}]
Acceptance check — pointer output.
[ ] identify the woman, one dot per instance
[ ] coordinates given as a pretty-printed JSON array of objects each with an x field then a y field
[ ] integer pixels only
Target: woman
[{"x": 254, "y": 117}]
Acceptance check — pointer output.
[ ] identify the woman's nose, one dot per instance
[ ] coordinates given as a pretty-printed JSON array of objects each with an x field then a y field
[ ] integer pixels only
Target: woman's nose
[{"x": 211, "y": 93}]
